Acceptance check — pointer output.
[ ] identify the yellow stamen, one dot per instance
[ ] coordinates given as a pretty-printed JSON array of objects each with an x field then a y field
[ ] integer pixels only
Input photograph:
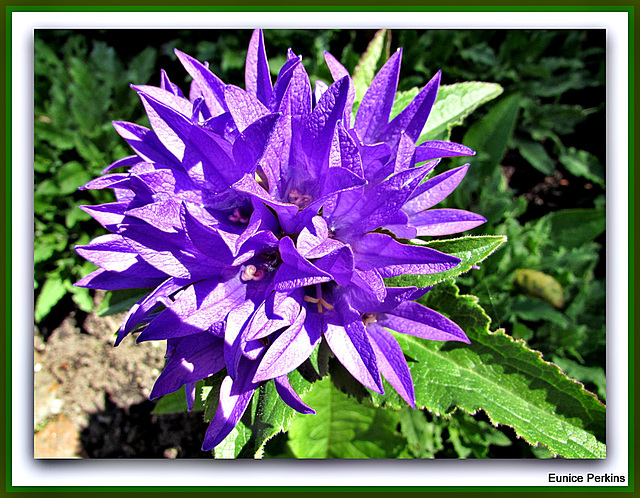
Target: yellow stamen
[{"x": 321, "y": 303}]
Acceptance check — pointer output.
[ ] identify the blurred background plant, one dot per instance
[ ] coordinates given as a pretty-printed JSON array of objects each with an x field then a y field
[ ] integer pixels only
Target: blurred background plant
[{"x": 538, "y": 178}]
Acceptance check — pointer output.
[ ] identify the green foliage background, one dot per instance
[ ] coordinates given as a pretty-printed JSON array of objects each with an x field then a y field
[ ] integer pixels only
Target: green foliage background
[{"x": 538, "y": 178}]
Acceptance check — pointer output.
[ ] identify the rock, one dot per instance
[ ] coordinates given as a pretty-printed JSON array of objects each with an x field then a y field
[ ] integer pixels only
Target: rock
[{"x": 58, "y": 439}]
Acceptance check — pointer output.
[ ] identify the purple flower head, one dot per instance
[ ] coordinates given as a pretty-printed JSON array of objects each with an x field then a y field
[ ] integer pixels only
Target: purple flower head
[{"x": 265, "y": 220}]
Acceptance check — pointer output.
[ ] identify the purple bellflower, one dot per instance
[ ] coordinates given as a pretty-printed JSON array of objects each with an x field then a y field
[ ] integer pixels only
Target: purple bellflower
[{"x": 265, "y": 219}]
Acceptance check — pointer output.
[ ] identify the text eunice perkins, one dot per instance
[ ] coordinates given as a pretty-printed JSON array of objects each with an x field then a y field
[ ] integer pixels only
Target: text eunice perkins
[{"x": 589, "y": 478}]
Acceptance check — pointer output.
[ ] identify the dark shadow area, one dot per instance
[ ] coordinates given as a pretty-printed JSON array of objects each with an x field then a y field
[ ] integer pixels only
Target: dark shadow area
[
  {"x": 58, "y": 313},
  {"x": 135, "y": 432}
]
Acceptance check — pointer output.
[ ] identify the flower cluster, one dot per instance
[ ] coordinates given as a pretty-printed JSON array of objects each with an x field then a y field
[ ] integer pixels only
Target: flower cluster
[{"x": 265, "y": 220}]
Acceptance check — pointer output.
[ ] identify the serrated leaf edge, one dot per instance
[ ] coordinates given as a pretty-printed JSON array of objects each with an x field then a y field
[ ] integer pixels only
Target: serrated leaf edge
[{"x": 522, "y": 343}]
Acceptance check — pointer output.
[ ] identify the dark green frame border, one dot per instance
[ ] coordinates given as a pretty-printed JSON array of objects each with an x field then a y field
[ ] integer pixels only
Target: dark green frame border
[{"x": 284, "y": 6}]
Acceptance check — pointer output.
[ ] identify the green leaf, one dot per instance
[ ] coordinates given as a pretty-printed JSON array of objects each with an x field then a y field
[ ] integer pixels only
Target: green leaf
[
  {"x": 176, "y": 402},
  {"x": 584, "y": 374},
  {"x": 368, "y": 65},
  {"x": 453, "y": 105},
  {"x": 46, "y": 245},
  {"x": 344, "y": 428},
  {"x": 47, "y": 187},
  {"x": 71, "y": 176},
  {"x": 473, "y": 437},
  {"x": 575, "y": 227},
  {"x": 534, "y": 310},
  {"x": 82, "y": 298},
  {"x": 424, "y": 437},
  {"x": 51, "y": 292},
  {"x": 490, "y": 135},
  {"x": 141, "y": 67},
  {"x": 120, "y": 301},
  {"x": 536, "y": 155},
  {"x": 582, "y": 163},
  {"x": 73, "y": 216},
  {"x": 501, "y": 376},
  {"x": 57, "y": 136},
  {"x": 271, "y": 415},
  {"x": 233, "y": 444},
  {"x": 471, "y": 250}
]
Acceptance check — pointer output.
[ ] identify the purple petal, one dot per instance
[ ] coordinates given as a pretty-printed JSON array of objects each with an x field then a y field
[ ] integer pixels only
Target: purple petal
[
  {"x": 436, "y": 149},
  {"x": 190, "y": 394},
  {"x": 290, "y": 397},
  {"x": 176, "y": 184},
  {"x": 194, "y": 358},
  {"x": 338, "y": 264},
  {"x": 318, "y": 91},
  {"x": 102, "y": 279},
  {"x": 318, "y": 131},
  {"x": 338, "y": 71},
  {"x": 367, "y": 303},
  {"x": 214, "y": 243},
  {"x": 209, "y": 84},
  {"x": 278, "y": 311},
  {"x": 275, "y": 156},
  {"x": 250, "y": 146},
  {"x": 196, "y": 309},
  {"x": 295, "y": 270},
  {"x": 235, "y": 337},
  {"x": 435, "y": 190},
  {"x": 163, "y": 124},
  {"x": 108, "y": 215},
  {"x": 413, "y": 118},
  {"x": 234, "y": 399},
  {"x": 125, "y": 161},
  {"x": 344, "y": 152},
  {"x": 404, "y": 155},
  {"x": 414, "y": 319},
  {"x": 375, "y": 108},
  {"x": 145, "y": 143},
  {"x": 375, "y": 162},
  {"x": 351, "y": 346},
  {"x": 206, "y": 158},
  {"x": 391, "y": 362},
  {"x": 390, "y": 258},
  {"x": 142, "y": 308},
  {"x": 180, "y": 104},
  {"x": 286, "y": 212},
  {"x": 166, "y": 84},
  {"x": 445, "y": 221},
  {"x": 314, "y": 242},
  {"x": 402, "y": 231},
  {"x": 370, "y": 282},
  {"x": 290, "y": 349},
  {"x": 257, "y": 78},
  {"x": 244, "y": 107},
  {"x": 283, "y": 80},
  {"x": 296, "y": 100},
  {"x": 108, "y": 181},
  {"x": 163, "y": 215},
  {"x": 170, "y": 253},
  {"x": 112, "y": 253},
  {"x": 380, "y": 205}
]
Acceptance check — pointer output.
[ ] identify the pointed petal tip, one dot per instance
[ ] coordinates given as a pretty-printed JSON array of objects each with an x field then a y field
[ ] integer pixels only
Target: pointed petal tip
[
  {"x": 462, "y": 338},
  {"x": 261, "y": 375}
]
